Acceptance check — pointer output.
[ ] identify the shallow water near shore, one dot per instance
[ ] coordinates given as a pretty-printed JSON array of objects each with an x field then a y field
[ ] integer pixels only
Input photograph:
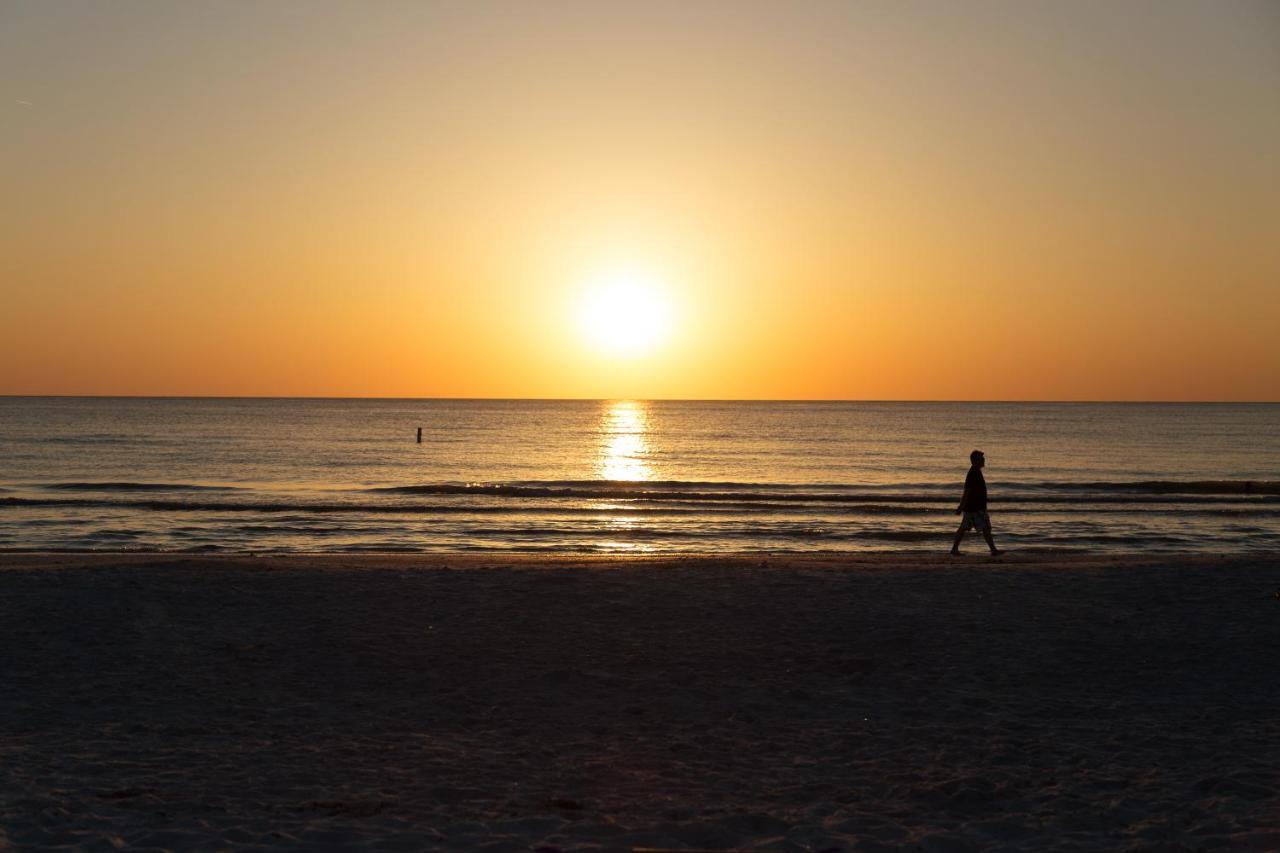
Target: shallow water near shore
[{"x": 143, "y": 474}]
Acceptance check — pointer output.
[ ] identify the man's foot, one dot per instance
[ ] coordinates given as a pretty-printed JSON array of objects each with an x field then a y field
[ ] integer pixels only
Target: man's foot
[
  {"x": 996, "y": 552},
  {"x": 955, "y": 552}
]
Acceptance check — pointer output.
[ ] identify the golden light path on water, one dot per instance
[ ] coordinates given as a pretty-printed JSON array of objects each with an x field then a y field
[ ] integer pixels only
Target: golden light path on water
[
  {"x": 624, "y": 446},
  {"x": 624, "y": 427}
]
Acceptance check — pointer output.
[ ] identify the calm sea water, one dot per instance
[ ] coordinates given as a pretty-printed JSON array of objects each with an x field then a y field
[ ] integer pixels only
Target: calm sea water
[{"x": 621, "y": 476}]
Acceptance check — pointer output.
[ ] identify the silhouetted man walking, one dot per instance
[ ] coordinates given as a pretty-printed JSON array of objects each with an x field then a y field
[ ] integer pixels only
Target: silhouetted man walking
[{"x": 973, "y": 504}]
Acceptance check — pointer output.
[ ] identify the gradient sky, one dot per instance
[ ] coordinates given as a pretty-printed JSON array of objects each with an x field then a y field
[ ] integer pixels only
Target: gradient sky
[{"x": 889, "y": 200}]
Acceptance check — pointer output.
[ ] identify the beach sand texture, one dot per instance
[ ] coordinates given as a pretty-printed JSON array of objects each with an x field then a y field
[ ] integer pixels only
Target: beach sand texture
[{"x": 517, "y": 703}]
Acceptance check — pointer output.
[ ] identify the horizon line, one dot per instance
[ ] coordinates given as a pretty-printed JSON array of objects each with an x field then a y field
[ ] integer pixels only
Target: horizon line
[{"x": 1067, "y": 401}]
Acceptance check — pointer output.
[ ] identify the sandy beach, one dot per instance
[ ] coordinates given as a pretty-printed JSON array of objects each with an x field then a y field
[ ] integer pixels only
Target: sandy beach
[{"x": 567, "y": 703}]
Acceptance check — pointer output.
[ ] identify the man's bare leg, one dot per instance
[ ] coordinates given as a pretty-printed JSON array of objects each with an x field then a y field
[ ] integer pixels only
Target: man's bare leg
[
  {"x": 955, "y": 546},
  {"x": 986, "y": 534}
]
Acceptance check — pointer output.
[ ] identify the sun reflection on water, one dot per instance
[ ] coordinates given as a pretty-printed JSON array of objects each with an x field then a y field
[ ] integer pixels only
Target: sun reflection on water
[{"x": 624, "y": 426}]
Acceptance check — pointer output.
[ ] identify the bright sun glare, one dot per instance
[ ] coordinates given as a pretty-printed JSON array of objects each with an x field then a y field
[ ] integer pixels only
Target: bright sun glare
[{"x": 625, "y": 313}]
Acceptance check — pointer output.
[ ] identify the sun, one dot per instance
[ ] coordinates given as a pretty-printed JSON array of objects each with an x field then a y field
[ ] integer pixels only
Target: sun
[{"x": 625, "y": 313}]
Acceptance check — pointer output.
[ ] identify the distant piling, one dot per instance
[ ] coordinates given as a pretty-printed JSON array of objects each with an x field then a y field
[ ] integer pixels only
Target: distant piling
[{"x": 419, "y": 435}]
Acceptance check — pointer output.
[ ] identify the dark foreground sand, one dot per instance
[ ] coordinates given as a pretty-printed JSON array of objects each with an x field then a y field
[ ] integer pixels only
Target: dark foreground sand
[{"x": 406, "y": 703}]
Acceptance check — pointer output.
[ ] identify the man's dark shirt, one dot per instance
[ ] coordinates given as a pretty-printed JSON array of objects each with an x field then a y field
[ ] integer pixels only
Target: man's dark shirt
[{"x": 975, "y": 491}]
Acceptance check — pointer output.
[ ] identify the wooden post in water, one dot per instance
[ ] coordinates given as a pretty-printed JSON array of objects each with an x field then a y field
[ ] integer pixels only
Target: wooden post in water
[{"x": 419, "y": 435}]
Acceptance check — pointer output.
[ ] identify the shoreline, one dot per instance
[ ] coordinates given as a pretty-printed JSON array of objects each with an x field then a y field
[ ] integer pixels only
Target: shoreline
[
  {"x": 832, "y": 559},
  {"x": 592, "y": 702}
]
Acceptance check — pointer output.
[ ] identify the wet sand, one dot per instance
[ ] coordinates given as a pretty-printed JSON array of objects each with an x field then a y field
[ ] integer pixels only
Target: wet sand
[{"x": 518, "y": 703}]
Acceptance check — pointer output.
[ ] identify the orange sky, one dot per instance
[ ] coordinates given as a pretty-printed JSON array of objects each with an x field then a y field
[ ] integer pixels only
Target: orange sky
[{"x": 858, "y": 201}]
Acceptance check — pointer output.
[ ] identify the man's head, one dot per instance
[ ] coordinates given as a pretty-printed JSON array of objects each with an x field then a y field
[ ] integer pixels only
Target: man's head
[{"x": 976, "y": 458}]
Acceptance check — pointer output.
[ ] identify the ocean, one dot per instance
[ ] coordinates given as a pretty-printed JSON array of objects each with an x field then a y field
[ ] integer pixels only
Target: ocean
[{"x": 624, "y": 476}]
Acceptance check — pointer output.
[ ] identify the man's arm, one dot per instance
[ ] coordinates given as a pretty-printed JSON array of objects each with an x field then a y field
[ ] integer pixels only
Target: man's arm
[{"x": 968, "y": 487}]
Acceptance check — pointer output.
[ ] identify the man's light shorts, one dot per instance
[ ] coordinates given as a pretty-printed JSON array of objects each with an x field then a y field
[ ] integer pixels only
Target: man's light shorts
[{"x": 978, "y": 518}]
